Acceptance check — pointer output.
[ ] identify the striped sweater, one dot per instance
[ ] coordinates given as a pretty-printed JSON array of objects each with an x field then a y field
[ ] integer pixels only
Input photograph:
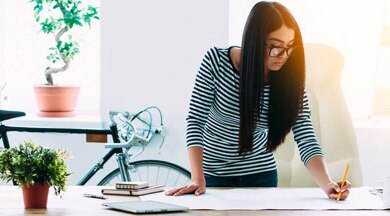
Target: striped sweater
[{"x": 213, "y": 122}]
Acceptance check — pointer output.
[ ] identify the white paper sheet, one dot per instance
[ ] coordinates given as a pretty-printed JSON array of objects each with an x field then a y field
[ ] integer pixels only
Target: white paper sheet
[{"x": 272, "y": 198}]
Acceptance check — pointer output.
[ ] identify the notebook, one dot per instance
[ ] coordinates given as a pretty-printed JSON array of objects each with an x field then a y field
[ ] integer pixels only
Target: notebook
[
  {"x": 145, "y": 206},
  {"x": 131, "y": 185},
  {"x": 133, "y": 192}
]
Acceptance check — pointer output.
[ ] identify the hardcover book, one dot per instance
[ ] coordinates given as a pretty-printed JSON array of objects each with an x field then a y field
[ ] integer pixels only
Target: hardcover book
[
  {"x": 131, "y": 185},
  {"x": 133, "y": 192}
]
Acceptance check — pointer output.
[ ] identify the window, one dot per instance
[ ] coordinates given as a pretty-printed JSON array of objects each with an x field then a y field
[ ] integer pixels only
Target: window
[
  {"x": 342, "y": 25},
  {"x": 23, "y": 58},
  {"x": 382, "y": 76}
]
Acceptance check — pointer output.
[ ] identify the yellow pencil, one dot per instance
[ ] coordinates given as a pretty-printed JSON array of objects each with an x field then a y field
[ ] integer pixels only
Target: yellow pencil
[{"x": 343, "y": 182}]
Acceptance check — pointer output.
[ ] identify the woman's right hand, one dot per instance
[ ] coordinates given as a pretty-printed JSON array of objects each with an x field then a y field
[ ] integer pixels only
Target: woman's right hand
[
  {"x": 198, "y": 181},
  {"x": 196, "y": 187}
]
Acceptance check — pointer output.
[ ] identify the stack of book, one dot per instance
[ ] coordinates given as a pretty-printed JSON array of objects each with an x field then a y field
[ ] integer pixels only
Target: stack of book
[{"x": 133, "y": 189}]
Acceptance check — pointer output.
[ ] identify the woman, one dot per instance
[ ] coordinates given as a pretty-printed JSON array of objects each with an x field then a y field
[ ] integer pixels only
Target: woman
[{"x": 244, "y": 103}]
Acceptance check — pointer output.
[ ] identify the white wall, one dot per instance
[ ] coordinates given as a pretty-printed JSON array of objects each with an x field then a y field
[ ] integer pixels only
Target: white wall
[
  {"x": 374, "y": 147},
  {"x": 150, "y": 52}
]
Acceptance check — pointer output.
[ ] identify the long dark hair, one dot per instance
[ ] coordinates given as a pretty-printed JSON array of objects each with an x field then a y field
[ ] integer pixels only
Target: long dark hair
[{"x": 287, "y": 85}]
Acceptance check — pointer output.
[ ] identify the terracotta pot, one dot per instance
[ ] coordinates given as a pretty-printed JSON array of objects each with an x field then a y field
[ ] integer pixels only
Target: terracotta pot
[
  {"x": 35, "y": 196},
  {"x": 56, "y": 101}
]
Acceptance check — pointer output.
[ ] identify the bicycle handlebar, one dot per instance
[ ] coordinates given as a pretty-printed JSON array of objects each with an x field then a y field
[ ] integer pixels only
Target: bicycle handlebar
[
  {"x": 132, "y": 138},
  {"x": 127, "y": 144}
]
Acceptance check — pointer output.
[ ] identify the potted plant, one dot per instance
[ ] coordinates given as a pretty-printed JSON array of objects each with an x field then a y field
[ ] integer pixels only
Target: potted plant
[
  {"x": 58, "y": 18},
  {"x": 34, "y": 169}
]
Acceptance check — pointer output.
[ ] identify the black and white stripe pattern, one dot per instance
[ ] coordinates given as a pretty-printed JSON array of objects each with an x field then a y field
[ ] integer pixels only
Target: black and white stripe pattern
[{"x": 213, "y": 122}]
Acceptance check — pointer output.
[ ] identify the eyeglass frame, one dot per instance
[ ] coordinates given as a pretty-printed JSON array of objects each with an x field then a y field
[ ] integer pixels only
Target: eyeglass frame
[{"x": 285, "y": 50}]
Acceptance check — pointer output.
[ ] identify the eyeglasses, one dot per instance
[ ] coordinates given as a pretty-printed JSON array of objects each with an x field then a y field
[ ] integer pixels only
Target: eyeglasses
[{"x": 276, "y": 51}]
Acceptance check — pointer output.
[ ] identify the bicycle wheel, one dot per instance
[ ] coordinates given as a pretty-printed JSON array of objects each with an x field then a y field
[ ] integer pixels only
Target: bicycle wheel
[{"x": 152, "y": 171}]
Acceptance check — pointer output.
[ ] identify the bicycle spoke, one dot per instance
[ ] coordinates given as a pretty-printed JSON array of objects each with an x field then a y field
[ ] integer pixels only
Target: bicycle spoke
[
  {"x": 177, "y": 179},
  {"x": 154, "y": 172},
  {"x": 158, "y": 174},
  {"x": 139, "y": 174},
  {"x": 166, "y": 180},
  {"x": 147, "y": 173}
]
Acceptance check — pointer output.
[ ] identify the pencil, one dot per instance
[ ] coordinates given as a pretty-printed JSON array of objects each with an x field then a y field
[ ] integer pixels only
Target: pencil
[{"x": 343, "y": 182}]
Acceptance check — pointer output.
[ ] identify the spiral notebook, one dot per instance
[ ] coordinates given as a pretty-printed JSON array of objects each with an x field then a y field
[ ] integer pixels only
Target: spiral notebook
[{"x": 145, "y": 206}]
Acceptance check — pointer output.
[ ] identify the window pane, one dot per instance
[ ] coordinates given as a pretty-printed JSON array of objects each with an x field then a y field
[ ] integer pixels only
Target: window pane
[{"x": 23, "y": 57}]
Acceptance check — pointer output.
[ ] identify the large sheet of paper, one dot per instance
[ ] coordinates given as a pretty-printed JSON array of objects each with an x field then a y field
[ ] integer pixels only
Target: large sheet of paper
[{"x": 272, "y": 198}]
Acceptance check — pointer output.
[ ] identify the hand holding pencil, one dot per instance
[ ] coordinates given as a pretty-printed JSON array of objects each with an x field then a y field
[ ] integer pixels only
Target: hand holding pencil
[{"x": 340, "y": 190}]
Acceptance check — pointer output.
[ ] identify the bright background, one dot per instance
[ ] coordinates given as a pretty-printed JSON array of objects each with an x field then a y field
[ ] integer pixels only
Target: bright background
[{"x": 354, "y": 27}]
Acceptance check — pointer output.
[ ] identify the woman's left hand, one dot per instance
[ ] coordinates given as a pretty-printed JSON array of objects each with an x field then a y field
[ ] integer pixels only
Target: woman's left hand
[{"x": 333, "y": 189}]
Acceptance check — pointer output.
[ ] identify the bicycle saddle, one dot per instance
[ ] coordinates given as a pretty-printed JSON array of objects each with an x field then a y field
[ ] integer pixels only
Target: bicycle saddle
[{"x": 8, "y": 114}]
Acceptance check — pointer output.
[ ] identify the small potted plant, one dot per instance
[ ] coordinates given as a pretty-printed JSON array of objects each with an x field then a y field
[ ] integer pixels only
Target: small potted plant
[
  {"x": 35, "y": 169},
  {"x": 58, "y": 18}
]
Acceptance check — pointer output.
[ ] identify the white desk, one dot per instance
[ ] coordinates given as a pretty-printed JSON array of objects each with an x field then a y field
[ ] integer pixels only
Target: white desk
[{"x": 73, "y": 203}]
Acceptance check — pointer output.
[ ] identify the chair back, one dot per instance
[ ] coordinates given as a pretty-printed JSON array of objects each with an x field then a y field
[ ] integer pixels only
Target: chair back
[{"x": 331, "y": 121}]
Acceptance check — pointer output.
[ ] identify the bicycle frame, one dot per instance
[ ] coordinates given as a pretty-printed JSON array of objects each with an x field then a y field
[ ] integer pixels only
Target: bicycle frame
[
  {"x": 111, "y": 131},
  {"x": 100, "y": 164},
  {"x": 115, "y": 148},
  {"x": 4, "y": 129}
]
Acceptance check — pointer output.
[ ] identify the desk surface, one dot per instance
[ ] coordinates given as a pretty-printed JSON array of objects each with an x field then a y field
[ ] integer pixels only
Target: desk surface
[{"x": 73, "y": 203}]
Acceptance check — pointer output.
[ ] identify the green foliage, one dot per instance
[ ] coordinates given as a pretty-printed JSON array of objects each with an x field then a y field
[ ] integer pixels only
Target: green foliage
[
  {"x": 29, "y": 164},
  {"x": 68, "y": 49},
  {"x": 56, "y": 17}
]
